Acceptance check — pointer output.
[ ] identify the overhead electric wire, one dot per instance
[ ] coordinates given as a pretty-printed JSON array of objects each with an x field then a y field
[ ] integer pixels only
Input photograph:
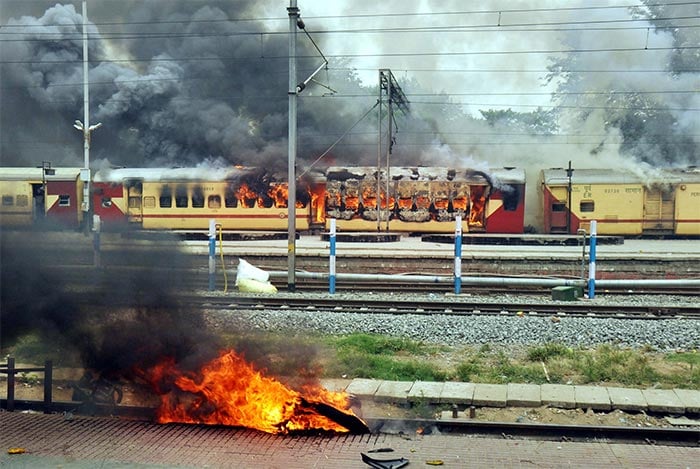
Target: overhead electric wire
[
  {"x": 365, "y": 55},
  {"x": 470, "y": 28},
  {"x": 422, "y": 15}
]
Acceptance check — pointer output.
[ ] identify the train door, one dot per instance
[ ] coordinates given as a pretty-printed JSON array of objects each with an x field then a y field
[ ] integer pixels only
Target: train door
[
  {"x": 478, "y": 196},
  {"x": 38, "y": 202},
  {"x": 134, "y": 193},
  {"x": 659, "y": 209}
]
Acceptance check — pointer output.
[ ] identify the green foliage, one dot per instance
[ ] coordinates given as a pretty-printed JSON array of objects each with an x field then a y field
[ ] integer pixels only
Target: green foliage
[
  {"x": 691, "y": 358},
  {"x": 380, "y": 357},
  {"x": 381, "y": 345},
  {"x": 354, "y": 363},
  {"x": 609, "y": 363},
  {"x": 544, "y": 353}
]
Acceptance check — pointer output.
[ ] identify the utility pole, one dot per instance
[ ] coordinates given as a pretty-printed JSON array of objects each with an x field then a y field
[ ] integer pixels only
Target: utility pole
[
  {"x": 569, "y": 173},
  {"x": 293, "y": 12},
  {"x": 389, "y": 87}
]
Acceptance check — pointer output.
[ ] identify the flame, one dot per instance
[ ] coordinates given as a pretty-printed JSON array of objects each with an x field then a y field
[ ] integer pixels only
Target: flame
[
  {"x": 318, "y": 199},
  {"x": 368, "y": 197},
  {"x": 422, "y": 201},
  {"x": 279, "y": 193},
  {"x": 478, "y": 200},
  {"x": 460, "y": 203},
  {"x": 230, "y": 391},
  {"x": 442, "y": 204},
  {"x": 352, "y": 202},
  {"x": 246, "y": 196},
  {"x": 406, "y": 202}
]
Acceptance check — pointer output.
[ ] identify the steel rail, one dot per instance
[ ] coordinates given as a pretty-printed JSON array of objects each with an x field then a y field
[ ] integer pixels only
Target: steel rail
[
  {"x": 683, "y": 436},
  {"x": 449, "y": 307}
]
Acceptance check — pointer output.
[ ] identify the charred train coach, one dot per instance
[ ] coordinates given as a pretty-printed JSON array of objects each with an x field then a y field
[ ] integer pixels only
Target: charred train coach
[{"x": 404, "y": 199}]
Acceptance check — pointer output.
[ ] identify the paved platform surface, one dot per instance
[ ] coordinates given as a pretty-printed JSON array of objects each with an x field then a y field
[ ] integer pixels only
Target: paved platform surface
[
  {"x": 600, "y": 398},
  {"x": 53, "y": 440}
]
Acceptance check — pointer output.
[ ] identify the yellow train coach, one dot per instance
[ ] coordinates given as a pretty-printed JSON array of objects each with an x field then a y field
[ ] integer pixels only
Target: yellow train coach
[
  {"x": 187, "y": 198},
  {"x": 656, "y": 202}
]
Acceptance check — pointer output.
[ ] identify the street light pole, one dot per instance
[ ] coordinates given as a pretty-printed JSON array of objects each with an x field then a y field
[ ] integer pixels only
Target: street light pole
[
  {"x": 293, "y": 12},
  {"x": 85, "y": 128}
]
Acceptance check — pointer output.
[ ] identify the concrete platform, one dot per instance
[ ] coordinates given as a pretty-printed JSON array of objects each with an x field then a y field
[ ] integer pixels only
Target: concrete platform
[
  {"x": 558, "y": 395},
  {"x": 592, "y": 397},
  {"x": 393, "y": 392},
  {"x": 689, "y": 399},
  {"x": 627, "y": 399},
  {"x": 457, "y": 393},
  {"x": 490, "y": 395},
  {"x": 523, "y": 395},
  {"x": 425, "y": 392},
  {"x": 600, "y": 398},
  {"x": 361, "y": 387},
  {"x": 663, "y": 400}
]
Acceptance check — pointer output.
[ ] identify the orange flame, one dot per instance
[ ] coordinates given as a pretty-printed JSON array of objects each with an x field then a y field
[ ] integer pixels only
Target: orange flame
[
  {"x": 318, "y": 199},
  {"x": 459, "y": 203},
  {"x": 422, "y": 202},
  {"x": 442, "y": 204},
  {"x": 279, "y": 193},
  {"x": 246, "y": 196},
  {"x": 478, "y": 199},
  {"x": 405, "y": 202},
  {"x": 229, "y": 391}
]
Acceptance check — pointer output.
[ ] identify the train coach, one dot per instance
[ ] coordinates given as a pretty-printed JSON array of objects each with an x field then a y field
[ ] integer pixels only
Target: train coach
[
  {"x": 187, "y": 198},
  {"x": 658, "y": 203},
  {"x": 43, "y": 195},
  {"x": 420, "y": 199},
  {"x": 426, "y": 199}
]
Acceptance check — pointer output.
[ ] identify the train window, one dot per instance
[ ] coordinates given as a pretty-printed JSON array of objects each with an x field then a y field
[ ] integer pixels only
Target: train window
[
  {"x": 165, "y": 201},
  {"x": 22, "y": 201},
  {"x": 64, "y": 200},
  {"x": 511, "y": 197},
  {"x": 197, "y": 198},
  {"x": 134, "y": 202},
  {"x": 106, "y": 202},
  {"x": 8, "y": 200},
  {"x": 214, "y": 201},
  {"x": 149, "y": 202},
  {"x": 230, "y": 199},
  {"x": 181, "y": 197},
  {"x": 587, "y": 206},
  {"x": 558, "y": 207}
]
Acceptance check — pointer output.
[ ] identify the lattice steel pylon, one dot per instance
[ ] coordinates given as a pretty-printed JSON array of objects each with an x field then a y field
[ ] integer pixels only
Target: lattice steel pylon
[{"x": 391, "y": 93}]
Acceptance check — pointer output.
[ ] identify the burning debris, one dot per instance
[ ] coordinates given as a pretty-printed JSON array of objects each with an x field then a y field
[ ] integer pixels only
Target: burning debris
[
  {"x": 230, "y": 391},
  {"x": 146, "y": 335}
]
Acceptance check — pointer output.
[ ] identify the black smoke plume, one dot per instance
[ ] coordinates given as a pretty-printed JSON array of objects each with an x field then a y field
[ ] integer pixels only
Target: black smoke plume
[{"x": 115, "y": 320}]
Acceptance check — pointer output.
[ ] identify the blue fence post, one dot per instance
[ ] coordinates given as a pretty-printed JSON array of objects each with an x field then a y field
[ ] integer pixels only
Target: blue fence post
[
  {"x": 591, "y": 266},
  {"x": 331, "y": 278},
  {"x": 212, "y": 254},
  {"x": 458, "y": 254}
]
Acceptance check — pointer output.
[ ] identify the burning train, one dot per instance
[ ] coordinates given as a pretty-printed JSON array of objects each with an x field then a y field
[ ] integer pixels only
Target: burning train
[{"x": 402, "y": 199}]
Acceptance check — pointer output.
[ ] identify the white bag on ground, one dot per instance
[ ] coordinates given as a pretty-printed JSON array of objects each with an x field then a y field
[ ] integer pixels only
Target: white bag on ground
[
  {"x": 253, "y": 280},
  {"x": 247, "y": 270}
]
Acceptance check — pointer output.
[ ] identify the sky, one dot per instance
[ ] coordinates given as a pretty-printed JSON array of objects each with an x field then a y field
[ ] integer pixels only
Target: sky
[{"x": 193, "y": 82}]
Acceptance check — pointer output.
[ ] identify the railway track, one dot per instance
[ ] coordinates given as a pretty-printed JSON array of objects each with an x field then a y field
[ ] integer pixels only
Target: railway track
[
  {"x": 447, "y": 306},
  {"x": 426, "y": 307}
]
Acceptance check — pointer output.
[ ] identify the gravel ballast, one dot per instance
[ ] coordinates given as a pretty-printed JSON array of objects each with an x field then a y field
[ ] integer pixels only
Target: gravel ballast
[{"x": 661, "y": 334}]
